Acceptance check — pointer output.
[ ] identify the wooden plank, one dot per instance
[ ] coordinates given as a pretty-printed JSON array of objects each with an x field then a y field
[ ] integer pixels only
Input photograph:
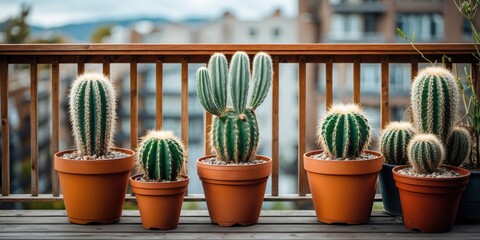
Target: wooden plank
[
  {"x": 106, "y": 66},
  {"x": 5, "y": 127},
  {"x": 329, "y": 82},
  {"x": 55, "y": 123},
  {"x": 133, "y": 105},
  {"x": 384, "y": 93},
  {"x": 159, "y": 95},
  {"x": 275, "y": 125},
  {"x": 184, "y": 102},
  {"x": 34, "y": 126},
  {"x": 356, "y": 80},
  {"x": 302, "y": 126},
  {"x": 206, "y": 132},
  {"x": 80, "y": 65}
]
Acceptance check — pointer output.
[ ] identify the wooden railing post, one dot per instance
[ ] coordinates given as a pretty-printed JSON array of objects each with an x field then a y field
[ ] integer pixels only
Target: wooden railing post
[
  {"x": 384, "y": 110},
  {"x": 5, "y": 127},
  {"x": 34, "y": 126},
  {"x": 275, "y": 127},
  {"x": 302, "y": 125},
  {"x": 133, "y": 104},
  {"x": 159, "y": 94},
  {"x": 55, "y": 122}
]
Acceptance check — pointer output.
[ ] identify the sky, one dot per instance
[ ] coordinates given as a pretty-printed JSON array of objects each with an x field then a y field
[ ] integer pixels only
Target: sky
[{"x": 52, "y": 13}]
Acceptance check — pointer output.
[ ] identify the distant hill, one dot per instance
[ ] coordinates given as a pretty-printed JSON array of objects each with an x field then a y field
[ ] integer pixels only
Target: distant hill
[{"x": 81, "y": 32}]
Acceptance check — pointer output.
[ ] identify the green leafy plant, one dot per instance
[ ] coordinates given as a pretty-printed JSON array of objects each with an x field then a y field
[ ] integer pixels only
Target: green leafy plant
[
  {"x": 425, "y": 153},
  {"x": 394, "y": 142},
  {"x": 235, "y": 132},
  {"x": 92, "y": 113},
  {"x": 162, "y": 156},
  {"x": 345, "y": 132}
]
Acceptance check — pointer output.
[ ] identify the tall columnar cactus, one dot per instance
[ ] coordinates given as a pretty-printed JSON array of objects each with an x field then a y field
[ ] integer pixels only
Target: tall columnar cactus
[
  {"x": 435, "y": 102},
  {"x": 92, "y": 113},
  {"x": 235, "y": 131},
  {"x": 162, "y": 156},
  {"x": 425, "y": 153},
  {"x": 394, "y": 142},
  {"x": 345, "y": 132},
  {"x": 459, "y": 146}
]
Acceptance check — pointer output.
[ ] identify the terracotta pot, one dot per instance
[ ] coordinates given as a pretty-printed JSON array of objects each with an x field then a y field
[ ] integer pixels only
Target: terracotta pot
[
  {"x": 390, "y": 195},
  {"x": 159, "y": 203},
  {"x": 430, "y": 204},
  {"x": 94, "y": 190},
  {"x": 342, "y": 191},
  {"x": 234, "y": 194},
  {"x": 469, "y": 207}
]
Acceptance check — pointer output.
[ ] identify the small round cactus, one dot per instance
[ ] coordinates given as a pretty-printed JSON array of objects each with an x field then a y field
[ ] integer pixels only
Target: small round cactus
[
  {"x": 435, "y": 102},
  {"x": 162, "y": 156},
  {"x": 92, "y": 113},
  {"x": 235, "y": 131},
  {"x": 425, "y": 153},
  {"x": 345, "y": 132},
  {"x": 394, "y": 142},
  {"x": 459, "y": 146}
]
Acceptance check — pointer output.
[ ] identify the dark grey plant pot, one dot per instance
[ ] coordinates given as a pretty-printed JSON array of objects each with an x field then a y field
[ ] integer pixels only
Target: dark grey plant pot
[
  {"x": 390, "y": 195},
  {"x": 469, "y": 208}
]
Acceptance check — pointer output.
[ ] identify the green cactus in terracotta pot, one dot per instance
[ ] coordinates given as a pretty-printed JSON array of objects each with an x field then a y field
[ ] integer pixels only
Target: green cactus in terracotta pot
[
  {"x": 394, "y": 142},
  {"x": 425, "y": 153},
  {"x": 92, "y": 113},
  {"x": 345, "y": 132},
  {"x": 162, "y": 156},
  {"x": 235, "y": 132}
]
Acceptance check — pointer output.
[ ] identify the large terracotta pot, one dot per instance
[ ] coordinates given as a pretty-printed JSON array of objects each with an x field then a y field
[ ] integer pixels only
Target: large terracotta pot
[
  {"x": 342, "y": 191},
  {"x": 94, "y": 190},
  {"x": 234, "y": 194},
  {"x": 430, "y": 204},
  {"x": 160, "y": 203}
]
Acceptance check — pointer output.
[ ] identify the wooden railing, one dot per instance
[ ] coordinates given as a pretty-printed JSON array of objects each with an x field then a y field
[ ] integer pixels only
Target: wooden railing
[{"x": 184, "y": 54}]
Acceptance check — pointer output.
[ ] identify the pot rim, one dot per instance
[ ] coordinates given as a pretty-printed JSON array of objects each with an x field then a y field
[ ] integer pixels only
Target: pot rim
[
  {"x": 309, "y": 153},
  {"x": 464, "y": 173},
  {"x": 261, "y": 157},
  {"x": 186, "y": 178},
  {"x": 341, "y": 167}
]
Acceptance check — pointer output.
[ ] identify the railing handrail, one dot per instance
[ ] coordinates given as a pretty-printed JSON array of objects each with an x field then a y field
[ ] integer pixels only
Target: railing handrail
[{"x": 184, "y": 54}]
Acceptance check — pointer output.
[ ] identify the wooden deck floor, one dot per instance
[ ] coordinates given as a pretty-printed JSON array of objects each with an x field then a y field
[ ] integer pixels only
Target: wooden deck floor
[{"x": 47, "y": 224}]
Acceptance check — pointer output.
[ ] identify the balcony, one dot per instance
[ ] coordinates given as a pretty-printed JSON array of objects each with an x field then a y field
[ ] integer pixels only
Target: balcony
[{"x": 289, "y": 224}]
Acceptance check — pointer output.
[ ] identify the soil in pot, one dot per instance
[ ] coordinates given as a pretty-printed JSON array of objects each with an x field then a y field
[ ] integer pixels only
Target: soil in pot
[
  {"x": 159, "y": 203},
  {"x": 335, "y": 183},
  {"x": 389, "y": 191},
  {"x": 94, "y": 190},
  {"x": 234, "y": 193},
  {"x": 429, "y": 204}
]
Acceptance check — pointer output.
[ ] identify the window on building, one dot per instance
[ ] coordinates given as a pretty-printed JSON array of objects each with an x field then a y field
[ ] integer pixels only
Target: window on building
[
  {"x": 427, "y": 26},
  {"x": 370, "y": 23},
  {"x": 253, "y": 32},
  {"x": 346, "y": 26}
]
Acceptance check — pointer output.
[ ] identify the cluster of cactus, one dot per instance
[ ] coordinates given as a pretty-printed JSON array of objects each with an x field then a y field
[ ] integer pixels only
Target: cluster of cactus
[
  {"x": 345, "y": 132},
  {"x": 425, "y": 152},
  {"x": 235, "y": 132},
  {"x": 434, "y": 106},
  {"x": 162, "y": 156},
  {"x": 92, "y": 113},
  {"x": 394, "y": 142}
]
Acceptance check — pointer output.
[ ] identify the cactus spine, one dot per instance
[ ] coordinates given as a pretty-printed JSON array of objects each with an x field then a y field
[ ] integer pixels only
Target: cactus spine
[
  {"x": 92, "y": 113},
  {"x": 345, "y": 132},
  {"x": 162, "y": 156},
  {"x": 435, "y": 102},
  {"x": 394, "y": 142},
  {"x": 425, "y": 153},
  {"x": 459, "y": 145},
  {"x": 235, "y": 131}
]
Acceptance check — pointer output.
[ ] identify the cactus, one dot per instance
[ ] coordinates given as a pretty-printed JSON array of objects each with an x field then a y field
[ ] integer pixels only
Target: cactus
[
  {"x": 394, "y": 142},
  {"x": 425, "y": 153},
  {"x": 344, "y": 133},
  {"x": 435, "y": 102},
  {"x": 459, "y": 145},
  {"x": 92, "y": 113},
  {"x": 234, "y": 132},
  {"x": 162, "y": 156}
]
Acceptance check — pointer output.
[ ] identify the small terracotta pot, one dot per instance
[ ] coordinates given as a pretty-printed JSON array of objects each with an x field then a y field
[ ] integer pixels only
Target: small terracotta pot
[
  {"x": 430, "y": 204},
  {"x": 94, "y": 190},
  {"x": 160, "y": 203},
  {"x": 234, "y": 194},
  {"x": 342, "y": 191}
]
